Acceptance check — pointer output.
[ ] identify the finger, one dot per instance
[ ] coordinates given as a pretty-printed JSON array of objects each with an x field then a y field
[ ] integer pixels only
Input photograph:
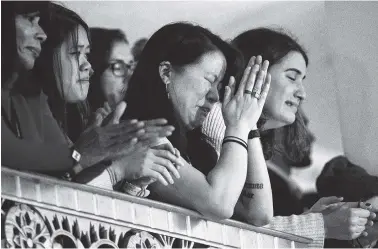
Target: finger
[
  {"x": 168, "y": 155},
  {"x": 98, "y": 120},
  {"x": 361, "y": 213},
  {"x": 167, "y": 146},
  {"x": 265, "y": 66},
  {"x": 156, "y": 122},
  {"x": 259, "y": 81},
  {"x": 124, "y": 127},
  {"x": 362, "y": 222},
  {"x": 163, "y": 171},
  {"x": 252, "y": 78},
  {"x": 168, "y": 165},
  {"x": 228, "y": 91},
  {"x": 243, "y": 82},
  {"x": 154, "y": 174},
  {"x": 107, "y": 107},
  {"x": 158, "y": 129},
  {"x": 265, "y": 89},
  {"x": 118, "y": 112},
  {"x": 246, "y": 74},
  {"x": 330, "y": 200},
  {"x": 258, "y": 60}
]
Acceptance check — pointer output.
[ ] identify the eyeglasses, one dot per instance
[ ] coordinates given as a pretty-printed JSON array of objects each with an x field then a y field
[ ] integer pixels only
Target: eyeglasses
[{"x": 121, "y": 69}]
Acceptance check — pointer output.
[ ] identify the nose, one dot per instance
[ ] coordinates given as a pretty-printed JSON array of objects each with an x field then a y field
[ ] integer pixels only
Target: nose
[
  {"x": 301, "y": 92},
  {"x": 213, "y": 95},
  {"x": 40, "y": 34},
  {"x": 85, "y": 66}
]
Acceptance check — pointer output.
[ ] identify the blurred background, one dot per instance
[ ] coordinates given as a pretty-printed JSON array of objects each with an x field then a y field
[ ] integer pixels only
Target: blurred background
[{"x": 341, "y": 40}]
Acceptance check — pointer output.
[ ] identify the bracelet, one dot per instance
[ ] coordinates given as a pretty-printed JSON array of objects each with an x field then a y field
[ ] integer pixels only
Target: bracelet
[
  {"x": 235, "y": 140},
  {"x": 253, "y": 134},
  {"x": 133, "y": 190}
]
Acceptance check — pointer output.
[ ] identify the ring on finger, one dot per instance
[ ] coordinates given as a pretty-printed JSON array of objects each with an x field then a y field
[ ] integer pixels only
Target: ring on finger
[
  {"x": 256, "y": 94},
  {"x": 247, "y": 92}
]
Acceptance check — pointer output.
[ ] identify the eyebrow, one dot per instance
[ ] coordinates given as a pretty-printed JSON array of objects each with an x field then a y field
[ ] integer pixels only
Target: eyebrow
[
  {"x": 81, "y": 47},
  {"x": 295, "y": 70}
]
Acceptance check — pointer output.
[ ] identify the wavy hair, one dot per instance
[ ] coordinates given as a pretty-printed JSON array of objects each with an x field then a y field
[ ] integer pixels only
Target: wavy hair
[{"x": 273, "y": 45}]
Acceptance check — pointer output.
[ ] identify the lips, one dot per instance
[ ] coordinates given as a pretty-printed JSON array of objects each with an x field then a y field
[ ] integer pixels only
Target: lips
[
  {"x": 292, "y": 103},
  {"x": 205, "y": 110},
  {"x": 35, "y": 50}
]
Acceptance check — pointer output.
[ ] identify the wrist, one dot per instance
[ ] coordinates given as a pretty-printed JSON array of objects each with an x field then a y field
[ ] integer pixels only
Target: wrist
[{"x": 241, "y": 131}]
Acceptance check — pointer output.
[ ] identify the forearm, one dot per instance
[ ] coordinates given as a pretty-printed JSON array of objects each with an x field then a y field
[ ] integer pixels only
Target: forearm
[
  {"x": 227, "y": 178},
  {"x": 215, "y": 194},
  {"x": 256, "y": 202}
]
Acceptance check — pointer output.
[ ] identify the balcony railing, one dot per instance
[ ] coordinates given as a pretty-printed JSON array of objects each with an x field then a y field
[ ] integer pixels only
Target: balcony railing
[{"x": 41, "y": 211}]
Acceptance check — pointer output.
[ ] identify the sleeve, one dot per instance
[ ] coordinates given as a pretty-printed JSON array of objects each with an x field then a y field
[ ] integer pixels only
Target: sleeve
[
  {"x": 342, "y": 178},
  {"x": 214, "y": 127},
  {"x": 305, "y": 225},
  {"x": 50, "y": 156}
]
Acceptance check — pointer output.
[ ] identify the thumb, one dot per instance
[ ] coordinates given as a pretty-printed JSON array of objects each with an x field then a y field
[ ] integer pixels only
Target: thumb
[{"x": 118, "y": 112}]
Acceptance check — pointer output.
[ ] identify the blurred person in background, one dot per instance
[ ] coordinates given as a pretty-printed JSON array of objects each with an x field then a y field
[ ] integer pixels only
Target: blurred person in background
[{"x": 113, "y": 64}]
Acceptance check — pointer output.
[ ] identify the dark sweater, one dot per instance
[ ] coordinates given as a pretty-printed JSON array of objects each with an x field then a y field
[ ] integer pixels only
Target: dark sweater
[{"x": 43, "y": 146}]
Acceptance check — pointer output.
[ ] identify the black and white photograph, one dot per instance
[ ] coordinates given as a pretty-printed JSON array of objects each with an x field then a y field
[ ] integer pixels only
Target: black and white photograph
[{"x": 189, "y": 124}]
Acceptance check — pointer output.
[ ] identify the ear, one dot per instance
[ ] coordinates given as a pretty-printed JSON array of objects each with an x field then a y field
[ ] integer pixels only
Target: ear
[{"x": 165, "y": 71}]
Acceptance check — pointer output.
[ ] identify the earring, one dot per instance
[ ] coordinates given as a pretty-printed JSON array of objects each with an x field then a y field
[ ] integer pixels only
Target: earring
[{"x": 166, "y": 88}]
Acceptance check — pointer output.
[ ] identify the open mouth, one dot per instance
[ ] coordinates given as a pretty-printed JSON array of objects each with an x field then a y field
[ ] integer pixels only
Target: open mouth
[
  {"x": 35, "y": 51},
  {"x": 291, "y": 104}
]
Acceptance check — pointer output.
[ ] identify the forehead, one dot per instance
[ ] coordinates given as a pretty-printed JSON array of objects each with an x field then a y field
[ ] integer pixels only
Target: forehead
[
  {"x": 82, "y": 37},
  {"x": 213, "y": 63},
  {"x": 120, "y": 51},
  {"x": 293, "y": 59}
]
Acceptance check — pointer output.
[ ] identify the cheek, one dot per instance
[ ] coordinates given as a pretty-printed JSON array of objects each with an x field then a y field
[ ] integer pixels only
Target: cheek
[{"x": 111, "y": 84}]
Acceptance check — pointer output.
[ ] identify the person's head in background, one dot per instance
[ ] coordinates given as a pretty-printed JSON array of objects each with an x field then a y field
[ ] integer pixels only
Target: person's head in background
[
  {"x": 112, "y": 62},
  {"x": 288, "y": 63},
  {"x": 138, "y": 48},
  {"x": 63, "y": 68},
  {"x": 22, "y": 37},
  {"x": 179, "y": 75}
]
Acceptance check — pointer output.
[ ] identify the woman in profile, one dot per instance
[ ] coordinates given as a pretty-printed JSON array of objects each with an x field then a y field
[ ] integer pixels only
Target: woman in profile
[
  {"x": 329, "y": 217},
  {"x": 183, "y": 71}
]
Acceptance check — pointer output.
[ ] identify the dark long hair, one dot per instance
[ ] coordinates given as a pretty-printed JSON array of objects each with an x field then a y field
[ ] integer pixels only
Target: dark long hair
[
  {"x": 63, "y": 23},
  {"x": 180, "y": 44},
  {"x": 103, "y": 41},
  {"x": 273, "y": 45},
  {"x": 9, "y": 9}
]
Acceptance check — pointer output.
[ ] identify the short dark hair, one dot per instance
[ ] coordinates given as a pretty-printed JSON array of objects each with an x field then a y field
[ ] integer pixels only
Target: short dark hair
[
  {"x": 181, "y": 44},
  {"x": 102, "y": 44},
  {"x": 272, "y": 45},
  {"x": 63, "y": 22},
  {"x": 9, "y": 9}
]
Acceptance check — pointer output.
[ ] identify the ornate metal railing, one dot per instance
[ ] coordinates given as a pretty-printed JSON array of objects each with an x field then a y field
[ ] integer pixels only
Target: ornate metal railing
[{"x": 40, "y": 211}]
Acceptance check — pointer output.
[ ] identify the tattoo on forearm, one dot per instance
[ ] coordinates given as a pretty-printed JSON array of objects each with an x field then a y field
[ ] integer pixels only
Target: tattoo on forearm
[
  {"x": 247, "y": 194},
  {"x": 253, "y": 185}
]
